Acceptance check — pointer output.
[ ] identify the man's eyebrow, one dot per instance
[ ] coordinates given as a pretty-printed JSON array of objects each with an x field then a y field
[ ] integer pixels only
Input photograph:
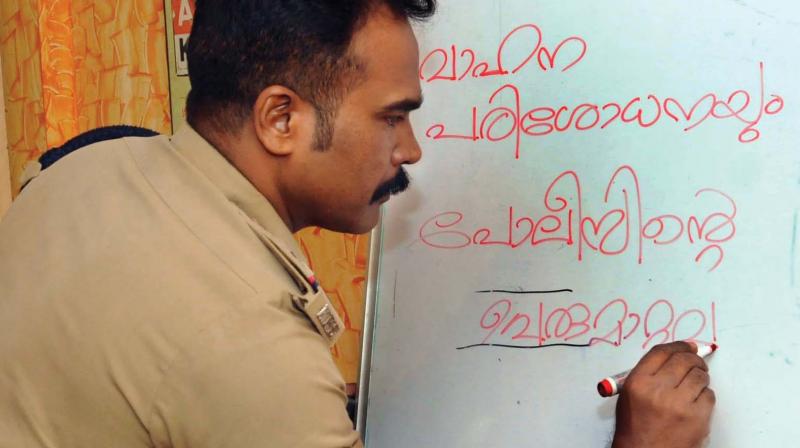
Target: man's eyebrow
[{"x": 404, "y": 105}]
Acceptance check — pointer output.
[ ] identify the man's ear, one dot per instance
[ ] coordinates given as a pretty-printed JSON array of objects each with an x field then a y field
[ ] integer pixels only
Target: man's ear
[{"x": 278, "y": 119}]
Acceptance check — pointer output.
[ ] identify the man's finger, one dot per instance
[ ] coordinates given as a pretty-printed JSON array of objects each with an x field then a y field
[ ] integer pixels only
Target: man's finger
[
  {"x": 694, "y": 383},
  {"x": 658, "y": 355},
  {"x": 674, "y": 370},
  {"x": 707, "y": 398}
]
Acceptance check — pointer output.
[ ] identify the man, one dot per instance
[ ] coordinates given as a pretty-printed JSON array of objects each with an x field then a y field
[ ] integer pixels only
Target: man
[{"x": 151, "y": 292}]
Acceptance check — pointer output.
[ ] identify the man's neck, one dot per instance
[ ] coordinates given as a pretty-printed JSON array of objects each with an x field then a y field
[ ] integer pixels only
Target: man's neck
[{"x": 243, "y": 152}]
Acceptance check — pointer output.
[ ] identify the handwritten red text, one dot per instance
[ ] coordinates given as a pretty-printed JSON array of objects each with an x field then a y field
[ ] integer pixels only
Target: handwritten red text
[{"x": 617, "y": 231}]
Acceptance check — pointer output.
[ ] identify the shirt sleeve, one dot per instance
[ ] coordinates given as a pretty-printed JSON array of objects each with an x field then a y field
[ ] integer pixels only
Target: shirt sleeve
[{"x": 263, "y": 378}]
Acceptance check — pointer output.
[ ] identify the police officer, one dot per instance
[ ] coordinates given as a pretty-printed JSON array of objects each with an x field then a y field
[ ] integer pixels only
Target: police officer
[{"x": 151, "y": 293}]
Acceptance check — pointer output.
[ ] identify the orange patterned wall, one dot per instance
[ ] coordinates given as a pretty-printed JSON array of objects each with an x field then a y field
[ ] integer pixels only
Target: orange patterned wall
[
  {"x": 340, "y": 262},
  {"x": 5, "y": 173},
  {"x": 73, "y": 65}
]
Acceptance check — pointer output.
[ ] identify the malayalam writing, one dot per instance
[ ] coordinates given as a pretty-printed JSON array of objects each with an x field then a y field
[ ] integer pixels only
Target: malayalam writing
[
  {"x": 452, "y": 68},
  {"x": 616, "y": 231},
  {"x": 503, "y": 117},
  {"x": 530, "y": 325}
]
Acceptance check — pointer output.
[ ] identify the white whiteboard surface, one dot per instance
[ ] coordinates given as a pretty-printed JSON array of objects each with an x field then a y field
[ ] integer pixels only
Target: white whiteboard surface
[{"x": 700, "y": 220}]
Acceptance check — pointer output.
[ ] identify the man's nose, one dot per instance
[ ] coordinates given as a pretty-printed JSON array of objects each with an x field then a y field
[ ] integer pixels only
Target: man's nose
[{"x": 408, "y": 151}]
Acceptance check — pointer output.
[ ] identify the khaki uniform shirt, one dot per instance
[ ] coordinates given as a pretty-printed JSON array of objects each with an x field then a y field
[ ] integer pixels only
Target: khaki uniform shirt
[{"x": 151, "y": 297}]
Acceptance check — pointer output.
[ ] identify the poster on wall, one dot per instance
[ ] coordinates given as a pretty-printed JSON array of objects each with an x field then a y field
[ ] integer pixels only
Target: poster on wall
[
  {"x": 180, "y": 15},
  {"x": 181, "y": 26}
]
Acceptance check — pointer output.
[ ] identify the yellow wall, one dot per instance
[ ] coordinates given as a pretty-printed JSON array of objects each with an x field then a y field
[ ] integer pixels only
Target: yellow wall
[{"x": 73, "y": 65}]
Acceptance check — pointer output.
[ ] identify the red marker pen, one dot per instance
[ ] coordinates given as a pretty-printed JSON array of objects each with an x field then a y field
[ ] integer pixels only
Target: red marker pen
[{"x": 612, "y": 385}]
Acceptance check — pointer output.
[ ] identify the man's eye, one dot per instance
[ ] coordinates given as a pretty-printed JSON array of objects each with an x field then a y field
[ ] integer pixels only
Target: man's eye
[{"x": 394, "y": 120}]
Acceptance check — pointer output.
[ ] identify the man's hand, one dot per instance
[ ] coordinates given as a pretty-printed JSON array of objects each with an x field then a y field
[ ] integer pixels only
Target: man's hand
[{"x": 665, "y": 401}]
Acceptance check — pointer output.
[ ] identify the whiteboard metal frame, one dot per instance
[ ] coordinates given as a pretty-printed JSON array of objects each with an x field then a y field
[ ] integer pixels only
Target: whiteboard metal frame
[{"x": 370, "y": 296}]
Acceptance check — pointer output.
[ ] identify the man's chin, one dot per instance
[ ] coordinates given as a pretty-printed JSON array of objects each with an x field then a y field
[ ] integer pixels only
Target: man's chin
[
  {"x": 363, "y": 224},
  {"x": 380, "y": 199},
  {"x": 370, "y": 218}
]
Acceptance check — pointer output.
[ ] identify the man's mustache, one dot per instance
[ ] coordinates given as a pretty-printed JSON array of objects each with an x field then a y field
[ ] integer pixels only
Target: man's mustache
[{"x": 397, "y": 184}]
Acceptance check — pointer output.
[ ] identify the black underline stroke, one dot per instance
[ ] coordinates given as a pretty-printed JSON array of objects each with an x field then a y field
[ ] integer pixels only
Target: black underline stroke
[
  {"x": 528, "y": 347},
  {"x": 509, "y": 291}
]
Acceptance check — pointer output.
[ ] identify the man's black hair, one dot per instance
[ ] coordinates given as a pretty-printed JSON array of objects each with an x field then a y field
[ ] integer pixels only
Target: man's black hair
[{"x": 239, "y": 47}]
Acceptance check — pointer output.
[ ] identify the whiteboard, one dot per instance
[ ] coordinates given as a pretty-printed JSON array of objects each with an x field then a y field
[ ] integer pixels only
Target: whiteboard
[{"x": 597, "y": 177}]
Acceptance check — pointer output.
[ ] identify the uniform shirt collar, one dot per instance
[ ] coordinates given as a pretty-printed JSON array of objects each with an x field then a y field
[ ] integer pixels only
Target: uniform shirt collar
[{"x": 205, "y": 158}]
